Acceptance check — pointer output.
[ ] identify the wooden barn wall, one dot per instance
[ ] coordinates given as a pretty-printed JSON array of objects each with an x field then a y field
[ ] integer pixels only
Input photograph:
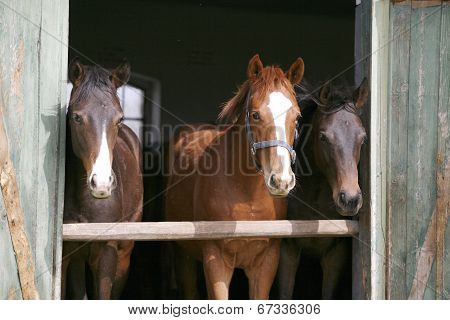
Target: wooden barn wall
[
  {"x": 418, "y": 151},
  {"x": 361, "y": 281},
  {"x": 33, "y": 64}
]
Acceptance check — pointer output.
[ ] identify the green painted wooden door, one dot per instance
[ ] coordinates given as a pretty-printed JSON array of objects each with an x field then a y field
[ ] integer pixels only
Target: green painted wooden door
[
  {"x": 33, "y": 68},
  {"x": 418, "y": 174}
]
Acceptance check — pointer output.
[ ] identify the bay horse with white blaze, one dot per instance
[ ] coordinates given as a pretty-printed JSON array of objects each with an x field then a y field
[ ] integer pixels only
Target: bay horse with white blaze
[
  {"x": 257, "y": 146},
  {"x": 332, "y": 151},
  {"x": 103, "y": 181}
]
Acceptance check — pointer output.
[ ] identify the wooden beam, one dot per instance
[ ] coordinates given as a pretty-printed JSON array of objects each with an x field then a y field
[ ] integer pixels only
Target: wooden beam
[
  {"x": 443, "y": 162},
  {"x": 378, "y": 146},
  {"x": 207, "y": 230},
  {"x": 397, "y": 166},
  {"x": 361, "y": 251}
]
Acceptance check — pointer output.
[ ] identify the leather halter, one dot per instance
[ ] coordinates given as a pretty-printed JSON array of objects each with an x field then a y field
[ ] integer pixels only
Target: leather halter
[{"x": 254, "y": 146}]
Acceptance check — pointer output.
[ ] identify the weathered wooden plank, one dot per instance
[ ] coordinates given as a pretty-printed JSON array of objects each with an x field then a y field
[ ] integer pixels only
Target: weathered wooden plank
[
  {"x": 16, "y": 223},
  {"x": 361, "y": 281},
  {"x": 443, "y": 162},
  {"x": 9, "y": 281},
  {"x": 422, "y": 133},
  {"x": 203, "y": 230},
  {"x": 397, "y": 150},
  {"x": 425, "y": 260},
  {"x": 21, "y": 111},
  {"x": 52, "y": 52},
  {"x": 18, "y": 49},
  {"x": 378, "y": 145},
  {"x": 60, "y": 169},
  {"x": 417, "y": 3},
  {"x": 30, "y": 83}
]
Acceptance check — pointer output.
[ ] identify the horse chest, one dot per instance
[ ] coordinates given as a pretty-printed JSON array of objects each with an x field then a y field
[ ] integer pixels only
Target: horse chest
[
  {"x": 233, "y": 203},
  {"x": 85, "y": 208},
  {"x": 236, "y": 211},
  {"x": 244, "y": 252}
]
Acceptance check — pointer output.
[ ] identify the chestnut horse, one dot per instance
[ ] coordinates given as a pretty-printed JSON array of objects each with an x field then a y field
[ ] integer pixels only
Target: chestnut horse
[
  {"x": 103, "y": 180},
  {"x": 241, "y": 172},
  {"x": 332, "y": 152}
]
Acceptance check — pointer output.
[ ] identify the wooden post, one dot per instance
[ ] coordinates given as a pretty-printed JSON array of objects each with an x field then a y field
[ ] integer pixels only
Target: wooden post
[
  {"x": 361, "y": 250},
  {"x": 378, "y": 131},
  {"x": 14, "y": 213}
]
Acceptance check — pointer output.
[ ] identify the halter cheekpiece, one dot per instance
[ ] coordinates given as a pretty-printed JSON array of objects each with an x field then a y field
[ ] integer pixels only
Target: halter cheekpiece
[{"x": 254, "y": 146}]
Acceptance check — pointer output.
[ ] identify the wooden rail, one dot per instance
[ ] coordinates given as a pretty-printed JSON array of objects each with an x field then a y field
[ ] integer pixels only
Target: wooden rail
[{"x": 207, "y": 230}]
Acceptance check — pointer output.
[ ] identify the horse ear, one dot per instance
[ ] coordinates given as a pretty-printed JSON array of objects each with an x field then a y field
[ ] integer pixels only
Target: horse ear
[
  {"x": 325, "y": 92},
  {"x": 361, "y": 93},
  {"x": 254, "y": 66},
  {"x": 295, "y": 73},
  {"x": 121, "y": 74},
  {"x": 76, "y": 72}
]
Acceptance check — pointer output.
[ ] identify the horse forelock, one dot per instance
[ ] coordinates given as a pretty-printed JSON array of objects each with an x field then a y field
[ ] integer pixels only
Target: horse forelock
[
  {"x": 95, "y": 79},
  {"x": 340, "y": 97},
  {"x": 270, "y": 78}
]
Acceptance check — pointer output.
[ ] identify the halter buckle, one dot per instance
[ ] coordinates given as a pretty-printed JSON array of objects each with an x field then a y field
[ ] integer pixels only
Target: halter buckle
[{"x": 253, "y": 149}]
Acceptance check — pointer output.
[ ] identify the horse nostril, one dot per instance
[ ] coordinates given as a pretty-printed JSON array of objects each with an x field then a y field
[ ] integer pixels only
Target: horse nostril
[
  {"x": 355, "y": 201},
  {"x": 93, "y": 181},
  {"x": 272, "y": 181},
  {"x": 342, "y": 197},
  {"x": 111, "y": 179}
]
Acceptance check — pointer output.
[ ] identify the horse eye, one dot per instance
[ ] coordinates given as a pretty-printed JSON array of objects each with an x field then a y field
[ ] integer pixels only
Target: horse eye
[
  {"x": 255, "y": 116},
  {"x": 120, "y": 122},
  {"x": 77, "y": 118}
]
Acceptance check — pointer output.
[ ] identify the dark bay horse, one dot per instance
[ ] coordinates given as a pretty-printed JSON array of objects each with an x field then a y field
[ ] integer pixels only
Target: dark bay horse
[
  {"x": 103, "y": 180},
  {"x": 329, "y": 186},
  {"x": 241, "y": 172}
]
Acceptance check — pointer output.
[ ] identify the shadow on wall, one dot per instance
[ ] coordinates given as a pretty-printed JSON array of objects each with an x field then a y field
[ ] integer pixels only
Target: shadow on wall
[{"x": 199, "y": 50}]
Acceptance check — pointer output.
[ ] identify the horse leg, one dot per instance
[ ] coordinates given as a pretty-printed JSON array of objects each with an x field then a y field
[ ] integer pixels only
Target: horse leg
[
  {"x": 76, "y": 279},
  {"x": 168, "y": 272},
  {"x": 287, "y": 269},
  {"x": 186, "y": 274},
  {"x": 261, "y": 273},
  {"x": 218, "y": 273},
  {"x": 123, "y": 266},
  {"x": 103, "y": 263},
  {"x": 73, "y": 277},
  {"x": 333, "y": 265}
]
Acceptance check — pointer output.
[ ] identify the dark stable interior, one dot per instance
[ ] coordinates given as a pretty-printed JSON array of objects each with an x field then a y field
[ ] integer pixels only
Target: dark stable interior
[{"x": 199, "y": 51}]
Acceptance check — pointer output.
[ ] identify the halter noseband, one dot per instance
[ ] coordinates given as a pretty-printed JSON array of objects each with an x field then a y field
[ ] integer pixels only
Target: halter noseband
[{"x": 254, "y": 146}]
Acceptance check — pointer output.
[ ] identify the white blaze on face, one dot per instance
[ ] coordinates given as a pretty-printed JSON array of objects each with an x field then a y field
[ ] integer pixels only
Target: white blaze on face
[
  {"x": 279, "y": 105},
  {"x": 102, "y": 165}
]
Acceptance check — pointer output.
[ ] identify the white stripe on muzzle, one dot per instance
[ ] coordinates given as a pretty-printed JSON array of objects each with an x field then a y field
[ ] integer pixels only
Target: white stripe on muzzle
[
  {"x": 102, "y": 165},
  {"x": 279, "y": 105}
]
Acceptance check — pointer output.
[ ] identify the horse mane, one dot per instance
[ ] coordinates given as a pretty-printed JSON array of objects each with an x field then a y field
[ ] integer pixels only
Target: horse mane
[
  {"x": 95, "y": 77},
  {"x": 338, "y": 98},
  {"x": 270, "y": 78}
]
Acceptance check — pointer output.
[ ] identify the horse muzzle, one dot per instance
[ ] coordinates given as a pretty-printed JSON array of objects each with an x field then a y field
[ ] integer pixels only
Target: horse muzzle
[
  {"x": 348, "y": 205},
  {"x": 279, "y": 186},
  {"x": 102, "y": 187}
]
